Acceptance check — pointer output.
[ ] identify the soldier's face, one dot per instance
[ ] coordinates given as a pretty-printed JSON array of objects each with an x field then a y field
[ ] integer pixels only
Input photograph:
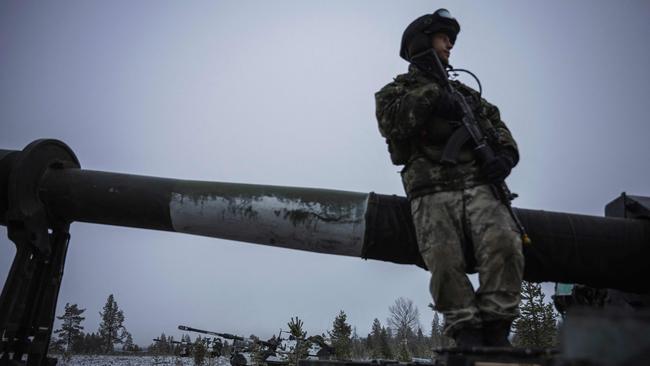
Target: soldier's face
[{"x": 442, "y": 45}]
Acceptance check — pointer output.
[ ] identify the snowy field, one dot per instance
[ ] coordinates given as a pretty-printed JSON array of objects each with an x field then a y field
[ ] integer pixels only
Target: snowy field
[{"x": 86, "y": 360}]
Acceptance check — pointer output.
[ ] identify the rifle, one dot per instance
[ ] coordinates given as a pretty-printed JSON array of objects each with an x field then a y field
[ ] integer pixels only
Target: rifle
[{"x": 471, "y": 129}]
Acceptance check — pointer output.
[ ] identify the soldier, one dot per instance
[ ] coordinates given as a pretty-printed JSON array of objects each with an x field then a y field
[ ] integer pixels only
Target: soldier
[{"x": 460, "y": 223}]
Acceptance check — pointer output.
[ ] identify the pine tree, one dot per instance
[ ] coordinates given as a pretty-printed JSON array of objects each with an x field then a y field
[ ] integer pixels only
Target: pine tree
[
  {"x": 436, "y": 331},
  {"x": 370, "y": 347},
  {"x": 384, "y": 343},
  {"x": 111, "y": 329},
  {"x": 359, "y": 350},
  {"x": 300, "y": 350},
  {"x": 419, "y": 347},
  {"x": 403, "y": 353},
  {"x": 199, "y": 351},
  {"x": 340, "y": 335},
  {"x": 166, "y": 345},
  {"x": 438, "y": 339},
  {"x": 536, "y": 325},
  {"x": 295, "y": 328},
  {"x": 91, "y": 344},
  {"x": 128, "y": 343},
  {"x": 170, "y": 345},
  {"x": 186, "y": 345},
  {"x": 375, "y": 340},
  {"x": 56, "y": 347},
  {"x": 78, "y": 344},
  {"x": 70, "y": 331},
  {"x": 159, "y": 344}
]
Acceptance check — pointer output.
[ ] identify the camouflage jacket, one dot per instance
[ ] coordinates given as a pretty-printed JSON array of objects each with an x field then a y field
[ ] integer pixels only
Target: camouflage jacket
[{"x": 416, "y": 135}]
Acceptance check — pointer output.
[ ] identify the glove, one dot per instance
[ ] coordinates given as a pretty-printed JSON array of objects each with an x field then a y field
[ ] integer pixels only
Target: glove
[
  {"x": 497, "y": 169},
  {"x": 448, "y": 107}
]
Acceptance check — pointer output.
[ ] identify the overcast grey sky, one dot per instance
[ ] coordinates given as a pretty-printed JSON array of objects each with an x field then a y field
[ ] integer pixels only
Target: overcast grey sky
[{"x": 281, "y": 92}]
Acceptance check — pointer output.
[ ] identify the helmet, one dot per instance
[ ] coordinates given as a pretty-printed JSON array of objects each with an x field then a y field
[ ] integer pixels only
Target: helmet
[{"x": 417, "y": 36}]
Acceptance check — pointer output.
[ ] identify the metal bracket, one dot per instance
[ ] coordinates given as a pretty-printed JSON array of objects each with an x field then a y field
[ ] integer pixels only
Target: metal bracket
[
  {"x": 29, "y": 297},
  {"x": 627, "y": 206}
]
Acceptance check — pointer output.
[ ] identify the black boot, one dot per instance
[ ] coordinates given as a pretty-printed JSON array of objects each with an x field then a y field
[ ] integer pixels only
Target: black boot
[
  {"x": 495, "y": 333},
  {"x": 468, "y": 338}
]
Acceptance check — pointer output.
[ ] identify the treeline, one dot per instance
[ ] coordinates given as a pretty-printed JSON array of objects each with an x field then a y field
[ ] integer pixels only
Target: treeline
[
  {"x": 401, "y": 337},
  {"x": 71, "y": 339},
  {"x": 165, "y": 345}
]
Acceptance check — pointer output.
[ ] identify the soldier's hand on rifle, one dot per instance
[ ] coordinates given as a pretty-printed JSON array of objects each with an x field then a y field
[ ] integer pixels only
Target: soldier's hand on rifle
[
  {"x": 497, "y": 169},
  {"x": 448, "y": 107}
]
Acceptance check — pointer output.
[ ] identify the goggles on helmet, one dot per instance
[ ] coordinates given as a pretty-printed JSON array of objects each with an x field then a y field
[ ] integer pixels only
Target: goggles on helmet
[
  {"x": 443, "y": 13},
  {"x": 438, "y": 19}
]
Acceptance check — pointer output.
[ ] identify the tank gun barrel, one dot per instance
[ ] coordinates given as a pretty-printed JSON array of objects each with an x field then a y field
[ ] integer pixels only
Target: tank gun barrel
[
  {"x": 222, "y": 335},
  {"x": 43, "y": 189},
  {"x": 596, "y": 251}
]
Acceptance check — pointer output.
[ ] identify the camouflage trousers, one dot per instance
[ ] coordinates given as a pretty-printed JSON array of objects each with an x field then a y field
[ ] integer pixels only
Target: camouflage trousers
[{"x": 445, "y": 223}]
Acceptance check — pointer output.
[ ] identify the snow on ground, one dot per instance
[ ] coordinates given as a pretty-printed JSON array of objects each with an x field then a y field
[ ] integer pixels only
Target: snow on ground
[{"x": 117, "y": 360}]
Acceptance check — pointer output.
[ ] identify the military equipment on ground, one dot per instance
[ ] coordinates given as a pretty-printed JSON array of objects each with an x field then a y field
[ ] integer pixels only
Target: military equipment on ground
[
  {"x": 240, "y": 345},
  {"x": 185, "y": 348},
  {"x": 43, "y": 189},
  {"x": 243, "y": 341},
  {"x": 172, "y": 342},
  {"x": 325, "y": 351},
  {"x": 222, "y": 335}
]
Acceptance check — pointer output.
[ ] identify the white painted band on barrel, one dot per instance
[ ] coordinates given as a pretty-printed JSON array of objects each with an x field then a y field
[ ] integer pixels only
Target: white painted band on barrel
[{"x": 288, "y": 223}]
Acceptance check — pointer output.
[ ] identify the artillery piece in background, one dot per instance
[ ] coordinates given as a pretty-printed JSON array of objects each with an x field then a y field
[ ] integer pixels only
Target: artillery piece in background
[
  {"x": 185, "y": 348},
  {"x": 43, "y": 189},
  {"x": 240, "y": 346}
]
